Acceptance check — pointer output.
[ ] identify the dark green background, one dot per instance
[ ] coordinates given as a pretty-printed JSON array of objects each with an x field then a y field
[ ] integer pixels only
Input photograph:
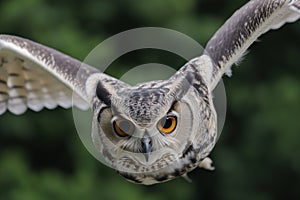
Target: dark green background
[{"x": 257, "y": 156}]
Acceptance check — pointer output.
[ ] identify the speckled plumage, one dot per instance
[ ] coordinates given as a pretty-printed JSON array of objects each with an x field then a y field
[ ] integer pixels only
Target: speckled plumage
[
  {"x": 34, "y": 76},
  {"x": 244, "y": 27}
]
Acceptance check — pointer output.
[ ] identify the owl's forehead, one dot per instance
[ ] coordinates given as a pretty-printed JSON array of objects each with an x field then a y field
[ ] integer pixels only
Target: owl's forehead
[{"x": 145, "y": 105}]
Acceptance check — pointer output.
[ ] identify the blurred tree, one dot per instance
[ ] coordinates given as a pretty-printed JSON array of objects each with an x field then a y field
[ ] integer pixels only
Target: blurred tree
[{"x": 257, "y": 156}]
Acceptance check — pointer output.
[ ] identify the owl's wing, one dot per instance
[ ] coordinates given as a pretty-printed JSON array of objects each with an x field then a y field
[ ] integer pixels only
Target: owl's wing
[
  {"x": 231, "y": 41},
  {"x": 34, "y": 76}
]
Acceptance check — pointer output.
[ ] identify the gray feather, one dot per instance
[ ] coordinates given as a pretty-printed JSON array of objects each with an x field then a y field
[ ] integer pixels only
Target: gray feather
[
  {"x": 231, "y": 41},
  {"x": 34, "y": 76}
]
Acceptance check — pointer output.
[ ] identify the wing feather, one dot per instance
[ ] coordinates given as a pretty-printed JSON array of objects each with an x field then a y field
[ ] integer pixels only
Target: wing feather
[
  {"x": 34, "y": 76},
  {"x": 232, "y": 40}
]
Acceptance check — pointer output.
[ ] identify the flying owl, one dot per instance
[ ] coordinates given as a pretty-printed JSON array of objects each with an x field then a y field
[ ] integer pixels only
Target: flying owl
[{"x": 153, "y": 131}]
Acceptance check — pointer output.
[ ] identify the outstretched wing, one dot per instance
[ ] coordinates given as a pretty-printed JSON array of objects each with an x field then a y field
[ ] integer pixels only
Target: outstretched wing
[
  {"x": 231, "y": 41},
  {"x": 35, "y": 76}
]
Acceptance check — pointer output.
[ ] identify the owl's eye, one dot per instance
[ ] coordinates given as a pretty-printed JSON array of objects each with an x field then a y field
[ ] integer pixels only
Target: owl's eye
[
  {"x": 167, "y": 124},
  {"x": 123, "y": 128}
]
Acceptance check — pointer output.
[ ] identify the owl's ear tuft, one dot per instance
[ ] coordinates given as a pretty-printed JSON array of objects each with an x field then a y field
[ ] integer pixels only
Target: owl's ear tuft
[
  {"x": 103, "y": 94},
  {"x": 102, "y": 87},
  {"x": 181, "y": 83}
]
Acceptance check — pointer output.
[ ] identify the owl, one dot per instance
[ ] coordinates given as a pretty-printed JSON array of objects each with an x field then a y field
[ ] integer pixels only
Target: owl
[{"x": 153, "y": 131}]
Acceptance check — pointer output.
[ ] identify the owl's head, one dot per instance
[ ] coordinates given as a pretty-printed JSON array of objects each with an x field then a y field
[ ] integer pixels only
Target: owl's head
[{"x": 154, "y": 131}]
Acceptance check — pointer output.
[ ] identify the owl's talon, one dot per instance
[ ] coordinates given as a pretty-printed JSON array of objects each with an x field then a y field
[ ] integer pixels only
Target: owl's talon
[
  {"x": 206, "y": 163},
  {"x": 187, "y": 178}
]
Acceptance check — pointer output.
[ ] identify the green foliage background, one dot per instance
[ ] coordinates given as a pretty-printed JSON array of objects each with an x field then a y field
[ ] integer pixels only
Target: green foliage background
[{"x": 257, "y": 156}]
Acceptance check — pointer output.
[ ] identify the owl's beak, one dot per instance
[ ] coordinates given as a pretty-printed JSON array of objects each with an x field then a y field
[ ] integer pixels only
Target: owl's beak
[{"x": 146, "y": 147}]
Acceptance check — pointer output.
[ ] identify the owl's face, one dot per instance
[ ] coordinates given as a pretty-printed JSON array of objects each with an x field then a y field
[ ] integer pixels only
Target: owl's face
[{"x": 153, "y": 132}]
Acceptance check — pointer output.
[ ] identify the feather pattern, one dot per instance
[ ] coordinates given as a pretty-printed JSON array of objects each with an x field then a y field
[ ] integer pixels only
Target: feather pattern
[
  {"x": 232, "y": 40},
  {"x": 34, "y": 76}
]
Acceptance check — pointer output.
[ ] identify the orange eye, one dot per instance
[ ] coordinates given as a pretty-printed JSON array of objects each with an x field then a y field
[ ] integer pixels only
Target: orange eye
[
  {"x": 167, "y": 124},
  {"x": 123, "y": 128}
]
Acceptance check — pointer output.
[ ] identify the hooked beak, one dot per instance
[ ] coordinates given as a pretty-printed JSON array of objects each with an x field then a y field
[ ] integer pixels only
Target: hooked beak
[{"x": 146, "y": 147}]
